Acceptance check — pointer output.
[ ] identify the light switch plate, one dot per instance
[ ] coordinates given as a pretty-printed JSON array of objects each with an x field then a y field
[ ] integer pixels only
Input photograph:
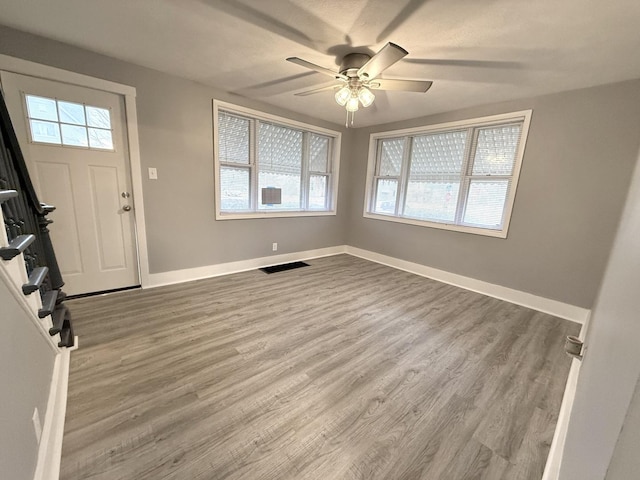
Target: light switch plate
[{"x": 153, "y": 173}]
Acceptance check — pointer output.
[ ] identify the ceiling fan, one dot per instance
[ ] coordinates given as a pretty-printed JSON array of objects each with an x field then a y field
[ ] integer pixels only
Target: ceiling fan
[{"x": 359, "y": 75}]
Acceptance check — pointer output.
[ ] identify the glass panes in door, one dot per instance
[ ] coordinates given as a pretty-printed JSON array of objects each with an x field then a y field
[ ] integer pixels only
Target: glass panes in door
[{"x": 69, "y": 124}]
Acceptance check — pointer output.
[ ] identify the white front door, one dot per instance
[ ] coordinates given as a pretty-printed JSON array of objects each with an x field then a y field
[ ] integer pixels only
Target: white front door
[{"x": 75, "y": 145}]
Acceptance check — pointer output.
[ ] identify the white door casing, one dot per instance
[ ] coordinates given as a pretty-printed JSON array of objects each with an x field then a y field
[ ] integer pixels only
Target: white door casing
[{"x": 93, "y": 233}]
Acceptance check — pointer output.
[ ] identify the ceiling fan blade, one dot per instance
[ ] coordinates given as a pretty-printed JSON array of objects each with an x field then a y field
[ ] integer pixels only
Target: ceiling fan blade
[
  {"x": 387, "y": 56},
  {"x": 316, "y": 90},
  {"x": 401, "y": 85},
  {"x": 450, "y": 62},
  {"x": 317, "y": 68}
]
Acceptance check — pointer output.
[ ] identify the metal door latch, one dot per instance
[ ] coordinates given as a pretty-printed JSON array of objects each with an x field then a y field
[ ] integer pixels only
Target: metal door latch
[{"x": 573, "y": 347}]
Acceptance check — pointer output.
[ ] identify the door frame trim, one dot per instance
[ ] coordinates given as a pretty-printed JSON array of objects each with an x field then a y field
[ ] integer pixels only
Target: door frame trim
[{"x": 26, "y": 67}]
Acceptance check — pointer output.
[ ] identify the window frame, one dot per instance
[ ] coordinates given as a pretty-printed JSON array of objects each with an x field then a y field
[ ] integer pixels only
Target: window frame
[
  {"x": 466, "y": 174},
  {"x": 332, "y": 174}
]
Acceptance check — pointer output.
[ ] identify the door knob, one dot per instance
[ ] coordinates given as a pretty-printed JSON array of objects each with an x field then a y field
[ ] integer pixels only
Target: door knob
[{"x": 127, "y": 208}]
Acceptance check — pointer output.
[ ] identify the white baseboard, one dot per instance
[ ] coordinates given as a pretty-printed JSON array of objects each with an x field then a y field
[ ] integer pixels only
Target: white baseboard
[
  {"x": 50, "y": 449},
  {"x": 545, "y": 305},
  {"x": 198, "y": 273},
  {"x": 554, "y": 459},
  {"x": 535, "y": 302}
]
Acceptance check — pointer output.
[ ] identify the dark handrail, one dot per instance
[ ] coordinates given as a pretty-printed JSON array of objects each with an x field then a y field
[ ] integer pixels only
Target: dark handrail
[
  {"x": 25, "y": 214},
  {"x": 11, "y": 143}
]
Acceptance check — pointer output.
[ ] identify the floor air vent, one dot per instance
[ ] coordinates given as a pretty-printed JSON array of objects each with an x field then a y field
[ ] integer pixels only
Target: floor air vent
[{"x": 283, "y": 267}]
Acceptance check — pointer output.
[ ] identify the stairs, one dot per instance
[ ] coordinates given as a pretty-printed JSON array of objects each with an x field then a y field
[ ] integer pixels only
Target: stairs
[
  {"x": 16, "y": 246},
  {"x": 28, "y": 263},
  {"x": 48, "y": 313},
  {"x": 36, "y": 350}
]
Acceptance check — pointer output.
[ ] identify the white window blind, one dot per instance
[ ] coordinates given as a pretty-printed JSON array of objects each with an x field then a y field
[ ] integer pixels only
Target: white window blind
[
  {"x": 260, "y": 160},
  {"x": 280, "y": 164},
  {"x": 460, "y": 176},
  {"x": 235, "y": 172}
]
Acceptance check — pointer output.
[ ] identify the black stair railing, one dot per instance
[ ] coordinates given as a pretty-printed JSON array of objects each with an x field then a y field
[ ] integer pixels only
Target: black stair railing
[{"x": 24, "y": 215}]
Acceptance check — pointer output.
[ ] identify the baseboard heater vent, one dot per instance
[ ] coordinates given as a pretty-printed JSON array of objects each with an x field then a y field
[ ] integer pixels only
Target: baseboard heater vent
[{"x": 283, "y": 267}]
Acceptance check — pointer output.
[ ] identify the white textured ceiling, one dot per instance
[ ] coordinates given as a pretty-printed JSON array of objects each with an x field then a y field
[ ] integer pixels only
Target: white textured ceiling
[{"x": 475, "y": 52}]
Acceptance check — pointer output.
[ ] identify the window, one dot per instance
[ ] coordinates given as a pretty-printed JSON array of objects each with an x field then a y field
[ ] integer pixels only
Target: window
[
  {"x": 268, "y": 166},
  {"x": 458, "y": 176},
  {"x": 57, "y": 122}
]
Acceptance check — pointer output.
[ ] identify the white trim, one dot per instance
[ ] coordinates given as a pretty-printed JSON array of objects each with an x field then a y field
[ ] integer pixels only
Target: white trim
[
  {"x": 535, "y": 302},
  {"x": 334, "y": 173},
  {"x": 442, "y": 127},
  {"x": 444, "y": 226},
  {"x": 50, "y": 449},
  {"x": 524, "y": 115},
  {"x": 269, "y": 117},
  {"x": 274, "y": 214},
  {"x": 135, "y": 165},
  {"x": 198, "y": 273},
  {"x": 25, "y": 67},
  {"x": 554, "y": 459}
]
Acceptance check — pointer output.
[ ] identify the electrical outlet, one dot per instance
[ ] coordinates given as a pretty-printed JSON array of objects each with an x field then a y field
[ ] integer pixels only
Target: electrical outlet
[
  {"x": 37, "y": 426},
  {"x": 153, "y": 173},
  {"x": 275, "y": 247}
]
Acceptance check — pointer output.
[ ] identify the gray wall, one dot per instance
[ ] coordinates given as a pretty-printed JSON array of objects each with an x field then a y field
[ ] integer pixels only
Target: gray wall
[
  {"x": 566, "y": 210},
  {"x": 176, "y": 136},
  {"x": 580, "y": 153},
  {"x": 625, "y": 463},
  {"x": 611, "y": 364},
  {"x": 25, "y": 376}
]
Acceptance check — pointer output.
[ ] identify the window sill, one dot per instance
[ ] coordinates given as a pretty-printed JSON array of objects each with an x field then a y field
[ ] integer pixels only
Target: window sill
[
  {"x": 272, "y": 214},
  {"x": 442, "y": 226}
]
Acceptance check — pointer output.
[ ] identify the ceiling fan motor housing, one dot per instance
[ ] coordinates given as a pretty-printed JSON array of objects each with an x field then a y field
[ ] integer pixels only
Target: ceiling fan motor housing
[{"x": 352, "y": 62}]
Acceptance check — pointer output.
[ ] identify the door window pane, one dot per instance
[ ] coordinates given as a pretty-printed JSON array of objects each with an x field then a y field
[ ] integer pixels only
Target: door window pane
[
  {"x": 41, "y": 108},
  {"x": 98, "y": 117},
  {"x": 74, "y": 135},
  {"x": 318, "y": 192},
  {"x": 45, "y": 132},
  {"x": 485, "y": 203},
  {"x": 386, "y": 195},
  {"x": 71, "y": 121},
  {"x": 234, "y": 188},
  {"x": 432, "y": 200},
  {"x": 71, "y": 113},
  {"x": 101, "y": 139}
]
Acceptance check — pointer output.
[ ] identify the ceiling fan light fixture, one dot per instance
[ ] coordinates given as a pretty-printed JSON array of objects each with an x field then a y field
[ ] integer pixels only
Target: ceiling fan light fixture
[
  {"x": 343, "y": 95},
  {"x": 365, "y": 96},
  {"x": 352, "y": 104}
]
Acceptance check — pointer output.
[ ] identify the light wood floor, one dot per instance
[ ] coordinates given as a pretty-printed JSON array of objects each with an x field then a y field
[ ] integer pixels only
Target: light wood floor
[{"x": 342, "y": 370}]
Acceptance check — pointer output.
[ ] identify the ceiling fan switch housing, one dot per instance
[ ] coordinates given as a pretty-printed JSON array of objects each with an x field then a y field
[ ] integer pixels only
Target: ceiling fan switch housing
[{"x": 353, "y": 61}]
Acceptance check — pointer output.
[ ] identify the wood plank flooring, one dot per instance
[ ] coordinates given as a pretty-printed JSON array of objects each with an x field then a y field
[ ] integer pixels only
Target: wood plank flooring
[{"x": 345, "y": 369}]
